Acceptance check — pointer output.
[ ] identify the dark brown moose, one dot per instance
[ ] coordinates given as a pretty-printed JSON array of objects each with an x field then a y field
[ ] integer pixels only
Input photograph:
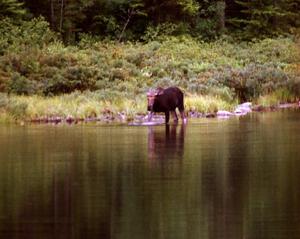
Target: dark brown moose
[{"x": 166, "y": 100}]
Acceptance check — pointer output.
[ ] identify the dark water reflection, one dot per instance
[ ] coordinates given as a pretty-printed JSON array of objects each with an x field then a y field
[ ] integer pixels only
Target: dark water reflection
[{"x": 237, "y": 178}]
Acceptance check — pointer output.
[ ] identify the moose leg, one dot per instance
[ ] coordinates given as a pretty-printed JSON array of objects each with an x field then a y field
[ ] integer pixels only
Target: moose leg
[
  {"x": 183, "y": 117},
  {"x": 150, "y": 114},
  {"x": 167, "y": 114},
  {"x": 175, "y": 116},
  {"x": 181, "y": 110}
]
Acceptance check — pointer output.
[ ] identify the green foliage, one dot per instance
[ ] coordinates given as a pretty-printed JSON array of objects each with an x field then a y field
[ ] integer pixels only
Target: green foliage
[
  {"x": 26, "y": 34},
  {"x": 266, "y": 18},
  {"x": 3, "y": 100},
  {"x": 223, "y": 69},
  {"x": 11, "y": 8},
  {"x": 205, "y": 104},
  {"x": 17, "y": 108},
  {"x": 21, "y": 85},
  {"x": 136, "y": 19},
  {"x": 163, "y": 31},
  {"x": 106, "y": 78},
  {"x": 279, "y": 96}
]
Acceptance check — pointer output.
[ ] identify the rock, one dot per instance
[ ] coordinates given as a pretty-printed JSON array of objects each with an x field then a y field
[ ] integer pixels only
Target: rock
[
  {"x": 288, "y": 105},
  {"x": 210, "y": 115},
  {"x": 246, "y": 105},
  {"x": 258, "y": 108},
  {"x": 148, "y": 123},
  {"x": 122, "y": 116},
  {"x": 70, "y": 119},
  {"x": 195, "y": 114},
  {"x": 243, "y": 109},
  {"x": 222, "y": 113}
]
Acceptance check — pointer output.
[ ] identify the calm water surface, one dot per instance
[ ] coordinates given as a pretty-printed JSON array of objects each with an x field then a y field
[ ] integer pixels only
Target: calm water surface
[{"x": 232, "y": 179}]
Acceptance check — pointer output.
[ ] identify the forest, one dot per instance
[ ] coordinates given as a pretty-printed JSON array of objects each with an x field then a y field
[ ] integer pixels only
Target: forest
[
  {"x": 68, "y": 57},
  {"x": 143, "y": 20}
]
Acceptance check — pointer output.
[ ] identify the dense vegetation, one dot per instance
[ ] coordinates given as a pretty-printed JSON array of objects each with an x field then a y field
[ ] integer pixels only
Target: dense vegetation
[
  {"x": 144, "y": 19},
  {"x": 96, "y": 57}
]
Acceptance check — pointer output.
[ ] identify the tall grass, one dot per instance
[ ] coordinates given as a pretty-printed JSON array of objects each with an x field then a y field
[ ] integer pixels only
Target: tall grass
[
  {"x": 207, "y": 104},
  {"x": 84, "y": 106}
]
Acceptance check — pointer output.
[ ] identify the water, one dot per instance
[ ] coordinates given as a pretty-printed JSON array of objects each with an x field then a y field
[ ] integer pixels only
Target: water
[{"x": 236, "y": 178}]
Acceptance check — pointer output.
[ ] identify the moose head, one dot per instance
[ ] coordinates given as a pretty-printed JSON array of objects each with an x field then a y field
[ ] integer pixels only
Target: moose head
[{"x": 152, "y": 95}]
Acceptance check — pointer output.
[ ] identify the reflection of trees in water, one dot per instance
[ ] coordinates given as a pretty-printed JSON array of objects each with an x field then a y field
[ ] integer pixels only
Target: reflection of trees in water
[
  {"x": 39, "y": 213},
  {"x": 146, "y": 198},
  {"x": 63, "y": 198},
  {"x": 249, "y": 185},
  {"x": 231, "y": 184},
  {"x": 225, "y": 183}
]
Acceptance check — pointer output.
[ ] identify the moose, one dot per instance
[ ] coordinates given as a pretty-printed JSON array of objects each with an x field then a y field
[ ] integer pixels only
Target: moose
[{"x": 166, "y": 100}]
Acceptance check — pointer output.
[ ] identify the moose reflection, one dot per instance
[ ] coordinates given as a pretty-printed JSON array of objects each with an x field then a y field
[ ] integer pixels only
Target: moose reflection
[{"x": 166, "y": 143}]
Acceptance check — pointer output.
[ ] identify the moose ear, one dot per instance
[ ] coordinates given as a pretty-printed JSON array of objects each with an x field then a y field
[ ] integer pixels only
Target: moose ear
[{"x": 159, "y": 91}]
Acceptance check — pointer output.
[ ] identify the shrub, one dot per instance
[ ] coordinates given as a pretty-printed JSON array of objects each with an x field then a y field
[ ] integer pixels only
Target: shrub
[
  {"x": 223, "y": 69},
  {"x": 28, "y": 34},
  {"x": 17, "y": 108},
  {"x": 69, "y": 79},
  {"x": 253, "y": 80},
  {"x": 21, "y": 85},
  {"x": 3, "y": 100}
]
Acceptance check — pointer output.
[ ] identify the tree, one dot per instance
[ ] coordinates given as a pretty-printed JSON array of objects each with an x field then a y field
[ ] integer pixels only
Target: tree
[
  {"x": 71, "y": 15},
  {"x": 172, "y": 11},
  {"x": 11, "y": 8},
  {"x": 131, "y": 9},
  {"x": 210, "y": 19},
  {"x": 266, "y": 18}
]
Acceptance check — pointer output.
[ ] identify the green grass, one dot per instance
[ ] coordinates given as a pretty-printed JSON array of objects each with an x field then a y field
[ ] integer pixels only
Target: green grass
[
  {"x": 5, "y": 118},
  {"x": 277, "y": 97},
  {"x": 82, "y": 106},
  {"x": 207, "y": 104},
  {"x": 75, "y": 105},
  {"x": 89, "y": 105}
]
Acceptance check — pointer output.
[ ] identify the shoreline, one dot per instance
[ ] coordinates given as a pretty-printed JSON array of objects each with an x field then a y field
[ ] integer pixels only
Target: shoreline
[{"x": 139, "y": 119}]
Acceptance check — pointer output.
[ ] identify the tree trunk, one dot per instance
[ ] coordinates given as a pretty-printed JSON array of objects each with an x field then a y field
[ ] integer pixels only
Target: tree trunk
[
  {"x": 61, "y": 15},
  {"x": 220, "y": 11},
  {"x": 126, "y": 24},
  {"x": 52, "y": 14}
]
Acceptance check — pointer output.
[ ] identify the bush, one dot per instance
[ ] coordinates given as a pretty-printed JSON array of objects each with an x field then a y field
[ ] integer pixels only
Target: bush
[
  {"x": 3, "y": 100},
  {"x": 21, "y": 85},
  {"x": 17, "y": 108},
  {"x": 68, "y": 80},
  {"x": 223, "y": 69},
  {"x": 28, "y": 34}
]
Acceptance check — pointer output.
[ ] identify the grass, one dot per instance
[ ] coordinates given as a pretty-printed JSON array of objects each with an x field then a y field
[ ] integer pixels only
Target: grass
[
  {"x": 207, "y": 104},
  {"x": 83, "y": 106},
  {"x": 89, "y": 105},
  {"x": 277, "y": 97},
  {"x": 5, "y": 118}
]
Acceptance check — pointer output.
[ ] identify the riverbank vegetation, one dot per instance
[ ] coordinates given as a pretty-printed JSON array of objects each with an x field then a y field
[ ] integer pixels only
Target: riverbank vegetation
[{"x": 47, "y": 70}]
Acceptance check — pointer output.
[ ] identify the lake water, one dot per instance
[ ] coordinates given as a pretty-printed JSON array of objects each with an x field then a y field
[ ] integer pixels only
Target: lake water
[{"x": 233, "y": 179}]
